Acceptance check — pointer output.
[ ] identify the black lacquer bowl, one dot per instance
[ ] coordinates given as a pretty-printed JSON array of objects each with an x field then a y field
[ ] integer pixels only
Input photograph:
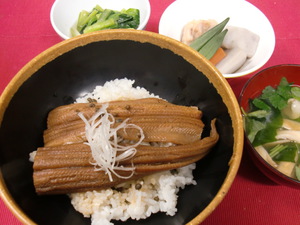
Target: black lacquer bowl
[{"x": 63, "y": 72}]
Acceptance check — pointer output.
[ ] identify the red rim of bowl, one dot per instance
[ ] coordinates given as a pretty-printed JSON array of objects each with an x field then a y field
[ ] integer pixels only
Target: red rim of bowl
[{"x": 256, "y": 89}]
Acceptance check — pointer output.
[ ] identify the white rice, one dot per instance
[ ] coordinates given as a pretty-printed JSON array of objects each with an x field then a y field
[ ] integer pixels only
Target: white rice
[
  {"x": 158, "y": 192},
  {"x": 118, "y": 89}
]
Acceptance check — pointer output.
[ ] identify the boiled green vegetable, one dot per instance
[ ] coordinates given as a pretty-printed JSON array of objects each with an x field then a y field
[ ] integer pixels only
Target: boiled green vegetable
[{"x": 100, "y": 19}]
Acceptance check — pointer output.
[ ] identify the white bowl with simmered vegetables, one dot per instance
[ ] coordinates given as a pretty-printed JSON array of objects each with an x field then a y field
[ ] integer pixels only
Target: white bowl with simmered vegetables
[
  {"x": 70, "y": 18},
  {"x": 270, "y": 102},
  {"x": 243, "y": 43}
]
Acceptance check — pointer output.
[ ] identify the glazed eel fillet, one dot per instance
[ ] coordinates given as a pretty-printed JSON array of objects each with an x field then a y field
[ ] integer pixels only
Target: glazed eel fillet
[{"x": 64, "y": 166}]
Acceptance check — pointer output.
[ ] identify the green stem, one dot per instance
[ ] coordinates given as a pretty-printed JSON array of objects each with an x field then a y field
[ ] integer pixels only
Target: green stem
[
  {"x": 110, "y": 23},
  {"x": 276, "y": 150},
  {"x": 105, "y": 14}
]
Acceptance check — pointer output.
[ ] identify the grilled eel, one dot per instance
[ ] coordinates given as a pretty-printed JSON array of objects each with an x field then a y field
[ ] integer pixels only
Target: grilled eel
[
  {"x": 64, "y": 166},
  {"x": 174, "y": 129},
  {"x": 144, "y": 107}
]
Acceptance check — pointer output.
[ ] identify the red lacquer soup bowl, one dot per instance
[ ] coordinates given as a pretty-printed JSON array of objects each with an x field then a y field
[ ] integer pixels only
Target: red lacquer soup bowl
[{"x": 252, "y": 89}]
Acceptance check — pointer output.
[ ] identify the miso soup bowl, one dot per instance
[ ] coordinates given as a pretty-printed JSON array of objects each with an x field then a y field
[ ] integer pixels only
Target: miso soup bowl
[
  {"x": 75, "y": 66},
  {"x": 253, "y": 88}
]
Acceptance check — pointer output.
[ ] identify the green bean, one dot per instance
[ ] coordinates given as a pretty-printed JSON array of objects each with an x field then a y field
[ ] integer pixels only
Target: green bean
[
  {"x": 199, "y": 42},
  {"x": 210, "y": 48}
]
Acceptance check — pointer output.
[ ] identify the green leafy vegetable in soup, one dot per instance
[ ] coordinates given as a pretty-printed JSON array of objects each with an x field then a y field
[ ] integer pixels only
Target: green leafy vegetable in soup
[
  {"x": 101, "y": 19},
  {"x": 272, "y": 124}
]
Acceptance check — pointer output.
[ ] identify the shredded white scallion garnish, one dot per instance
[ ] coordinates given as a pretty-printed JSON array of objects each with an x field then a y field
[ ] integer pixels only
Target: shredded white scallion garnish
[{"x": 104, "y": 143}]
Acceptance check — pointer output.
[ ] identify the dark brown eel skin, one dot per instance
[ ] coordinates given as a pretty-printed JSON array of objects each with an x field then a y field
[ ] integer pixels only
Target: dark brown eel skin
[{"x": 64, "y": 166}]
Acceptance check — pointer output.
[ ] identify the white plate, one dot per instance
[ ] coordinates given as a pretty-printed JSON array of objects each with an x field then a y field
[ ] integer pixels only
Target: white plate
[
  {"x": 64, "y": 13},
  {"x": 241, "y": 13}
]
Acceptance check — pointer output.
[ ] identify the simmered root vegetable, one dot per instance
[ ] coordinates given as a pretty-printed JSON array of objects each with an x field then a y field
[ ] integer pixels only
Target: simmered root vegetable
[
  {"x": 240, "y": 44},
  {"x": 100, "y": 19},
  {"x": 195, "y": 29},
  {"x": 273, "y": 127},
  {"x": 228, "y": 49},
  {"x": 244, "y": 39},
  {"x": 218, "y": 56},
  {"x": 209, "y": 42},
  {"x": 234, "y": 59}
]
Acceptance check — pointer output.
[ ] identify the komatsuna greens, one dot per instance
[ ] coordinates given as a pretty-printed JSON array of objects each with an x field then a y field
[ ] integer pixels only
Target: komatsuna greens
[{"x": 101, "y": 19}]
